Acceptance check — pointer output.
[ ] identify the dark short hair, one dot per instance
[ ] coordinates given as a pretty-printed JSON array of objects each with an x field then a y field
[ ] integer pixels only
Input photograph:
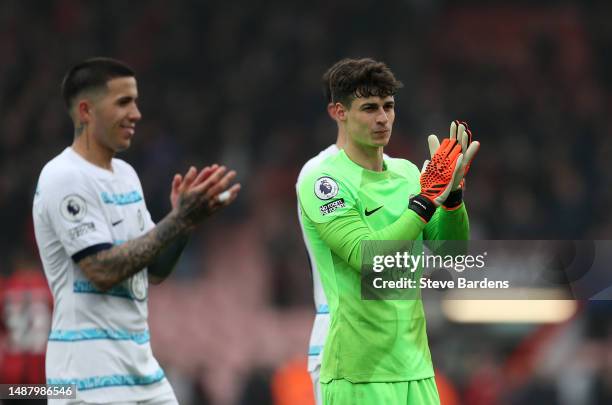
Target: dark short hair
[
  {"x": 326, "y": 79},
  {"x": 91, "y": 74},
  {"x": 352, "y": 78}
]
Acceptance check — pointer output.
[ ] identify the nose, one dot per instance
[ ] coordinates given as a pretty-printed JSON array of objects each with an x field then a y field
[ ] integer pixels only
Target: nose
[
  {"x": 135, "y": 114},
  {"x": 381, "y": 117}
]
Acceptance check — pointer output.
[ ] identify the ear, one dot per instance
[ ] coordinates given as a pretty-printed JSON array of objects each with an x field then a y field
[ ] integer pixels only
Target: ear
[
  {"x": 341, "y": 112},
  {"x": 83, "y": 111}
]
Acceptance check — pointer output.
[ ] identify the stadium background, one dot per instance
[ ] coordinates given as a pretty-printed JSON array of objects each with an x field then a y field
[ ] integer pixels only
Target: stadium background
[{"x": 240, "y": 84}]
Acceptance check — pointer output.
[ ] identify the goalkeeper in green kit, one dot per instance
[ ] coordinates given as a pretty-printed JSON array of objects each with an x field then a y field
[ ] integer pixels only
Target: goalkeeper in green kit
[{"x": 377, "y": 351}]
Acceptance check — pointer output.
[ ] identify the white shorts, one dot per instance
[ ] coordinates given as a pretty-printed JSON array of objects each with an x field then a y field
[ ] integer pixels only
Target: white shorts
[
  {"x": 316, "y": 385},
  {"x": 165, "y": 399}
]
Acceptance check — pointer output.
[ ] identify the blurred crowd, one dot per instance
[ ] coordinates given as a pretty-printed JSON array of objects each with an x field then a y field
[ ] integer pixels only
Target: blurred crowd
[{"x": 241, "y": 85}]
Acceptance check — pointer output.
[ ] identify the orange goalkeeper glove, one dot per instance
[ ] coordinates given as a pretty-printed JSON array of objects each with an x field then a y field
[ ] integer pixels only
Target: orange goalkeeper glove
[
  {"x": 460, "y": 131},
  {"x": 437, "y": 178}
]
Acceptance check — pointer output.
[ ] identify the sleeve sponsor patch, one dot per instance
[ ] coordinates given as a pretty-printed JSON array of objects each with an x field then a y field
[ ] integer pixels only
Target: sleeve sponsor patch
[
  {"x": 332, "y": 206},
  {"x": 81, "y": 230}
]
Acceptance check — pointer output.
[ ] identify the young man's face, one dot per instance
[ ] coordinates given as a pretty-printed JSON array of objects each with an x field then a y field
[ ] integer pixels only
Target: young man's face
[
  {"x": 115, "y": 113},
  {"x": 369, "y": 120}
]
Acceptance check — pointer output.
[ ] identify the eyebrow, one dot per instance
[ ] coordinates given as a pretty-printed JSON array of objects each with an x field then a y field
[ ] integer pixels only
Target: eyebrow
[
  {"x": 126, "y": 98},
  {"x": 376, "y": 105}
]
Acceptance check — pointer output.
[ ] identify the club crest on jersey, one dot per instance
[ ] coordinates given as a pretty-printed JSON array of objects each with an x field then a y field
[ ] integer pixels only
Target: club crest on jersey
[
  {"x": 325, "y": 188},
  {"x": 73, "y": 208},
  {"x": 140, "y": 218},
  {"x": 138, "y": 286}
]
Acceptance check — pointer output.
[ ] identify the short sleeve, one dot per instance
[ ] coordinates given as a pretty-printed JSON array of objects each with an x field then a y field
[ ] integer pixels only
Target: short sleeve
[
  {"x": 75, "y": 214},
  {"x": 323, "y": 197}
]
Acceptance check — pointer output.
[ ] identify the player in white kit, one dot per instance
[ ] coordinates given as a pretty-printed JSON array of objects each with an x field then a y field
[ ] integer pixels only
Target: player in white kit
[
  {"x": 100, "y": 248},
  {"x": 320, "y": 326}
]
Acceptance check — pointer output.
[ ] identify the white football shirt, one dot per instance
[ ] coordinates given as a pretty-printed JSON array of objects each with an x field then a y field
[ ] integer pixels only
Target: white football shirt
[
  {"x": 320, "y": 326},
  {"x": 99, "y": 340}
]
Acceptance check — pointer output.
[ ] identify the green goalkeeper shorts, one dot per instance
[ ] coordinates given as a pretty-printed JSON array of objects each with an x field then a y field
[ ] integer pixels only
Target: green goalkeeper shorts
[{"x": 419, "y": 392}]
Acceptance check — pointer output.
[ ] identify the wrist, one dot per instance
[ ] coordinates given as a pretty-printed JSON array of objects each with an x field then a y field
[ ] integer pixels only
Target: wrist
[
  {"x": 182, "y": 223},
  {"x": 454, "y": 200},
  {"x": 423, "y": 206}
]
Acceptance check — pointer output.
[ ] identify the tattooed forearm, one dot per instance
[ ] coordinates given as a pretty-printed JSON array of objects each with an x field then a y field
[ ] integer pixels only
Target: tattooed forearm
[
  {"x": 110, "y": 267},
  {"x": 164, "y": 264}
]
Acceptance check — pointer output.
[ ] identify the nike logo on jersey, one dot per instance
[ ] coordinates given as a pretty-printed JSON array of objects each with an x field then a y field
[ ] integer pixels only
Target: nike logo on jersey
[
  {"x": 117, "y": 222},
  {"x": 368, "y": 213}
]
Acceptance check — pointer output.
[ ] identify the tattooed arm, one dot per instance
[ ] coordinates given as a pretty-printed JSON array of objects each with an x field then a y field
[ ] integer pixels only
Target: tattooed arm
[
  {"x": 110, "y": 267},
  {"x": 166, "y": 260},
  {"x": 161, "y": 268},
  {"x": 196, "y": 199}
]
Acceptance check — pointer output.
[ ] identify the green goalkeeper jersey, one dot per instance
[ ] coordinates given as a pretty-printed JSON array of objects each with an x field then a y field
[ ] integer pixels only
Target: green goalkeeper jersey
[{"x": 342, "y": 205}]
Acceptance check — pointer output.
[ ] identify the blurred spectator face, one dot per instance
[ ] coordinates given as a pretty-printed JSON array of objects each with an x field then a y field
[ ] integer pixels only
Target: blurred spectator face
[
  {"x": 368, "y": 120},
  {"x": 114, "y": 113}
]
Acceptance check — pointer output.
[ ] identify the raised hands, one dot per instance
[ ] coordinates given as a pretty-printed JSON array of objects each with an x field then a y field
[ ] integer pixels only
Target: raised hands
[
  {"x": 442, "y": 177},
  {"x": 460, "y": 132},
  {"x": 439, "y": 174},
  {"x": 198, "y": 195}
]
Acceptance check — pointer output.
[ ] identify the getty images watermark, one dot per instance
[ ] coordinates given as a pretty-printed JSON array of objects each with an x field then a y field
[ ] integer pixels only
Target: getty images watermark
[
  {"x": 527, "y": 269},
  {"x": 410, "y": 264}
]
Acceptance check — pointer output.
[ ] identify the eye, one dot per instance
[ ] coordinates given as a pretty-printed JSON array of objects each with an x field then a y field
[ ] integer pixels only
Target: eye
[{"x": 125, "y": 101}]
